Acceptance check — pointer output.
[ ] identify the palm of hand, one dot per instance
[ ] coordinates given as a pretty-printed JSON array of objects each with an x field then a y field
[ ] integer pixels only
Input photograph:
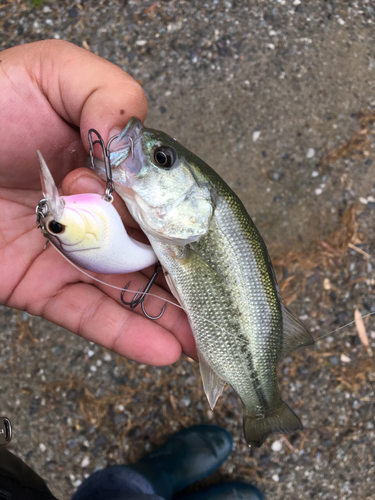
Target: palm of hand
[{"x": 40, "y": 281}]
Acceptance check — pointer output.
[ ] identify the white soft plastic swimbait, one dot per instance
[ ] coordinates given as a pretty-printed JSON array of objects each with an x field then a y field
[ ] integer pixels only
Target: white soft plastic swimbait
[{"x": 88, "y": 230}]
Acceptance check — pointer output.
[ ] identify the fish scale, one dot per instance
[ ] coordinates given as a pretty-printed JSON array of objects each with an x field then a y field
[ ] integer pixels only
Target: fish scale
[
  {"x": 233, "y": 315},
  {"x": 218, "y": 267}
]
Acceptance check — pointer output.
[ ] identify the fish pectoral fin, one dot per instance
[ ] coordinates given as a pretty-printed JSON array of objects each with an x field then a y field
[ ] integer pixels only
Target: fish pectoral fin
[
  {"x": 295, "y": 334},
  {"x": 193, "y": 248},
  {"x": 170, "y": 283},
  {"x": 282, "y": 419},
  {"x": 213, "y": 385}
]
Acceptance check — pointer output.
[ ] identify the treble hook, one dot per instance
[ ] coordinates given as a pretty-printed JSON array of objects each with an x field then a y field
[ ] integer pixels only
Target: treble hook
[
  {"x": 140, "y": 297},
  {"x": 110, "y": 187}
]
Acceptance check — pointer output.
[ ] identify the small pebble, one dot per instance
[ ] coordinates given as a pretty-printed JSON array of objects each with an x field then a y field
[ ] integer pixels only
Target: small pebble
[
  {"x": 341, "y": 21},
  {"x": 186, "y": 401},
  {"x": 334, "y": 360},
  {"x": 85, "y": 462},
  {"x": 344, "y": 358},
  {"x": 326, "y": 284},
  {"x": 318, "y": 191},
  {"x": 363, "y": 200},
  {"x": 42, "y": 447},
  {"x": 276, "y": 478},
  {"x": 315, "y": 173},
  {"x": 370, "y": 199},
  {"x": 256, "y": 136},
  {"x": 310, "y": 153},
  {"x": 277, "y": 445}
]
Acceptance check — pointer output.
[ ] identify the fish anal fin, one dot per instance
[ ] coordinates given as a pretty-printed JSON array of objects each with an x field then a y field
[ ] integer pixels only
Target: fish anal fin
[
  {"x": 295, "y": 334},
  {"x": 282, "y": 420},
  {"x": 213, "y": 385}
]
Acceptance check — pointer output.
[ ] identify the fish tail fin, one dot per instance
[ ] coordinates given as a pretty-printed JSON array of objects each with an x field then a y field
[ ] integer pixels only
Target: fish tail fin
[{"x": 282, "y": 420}]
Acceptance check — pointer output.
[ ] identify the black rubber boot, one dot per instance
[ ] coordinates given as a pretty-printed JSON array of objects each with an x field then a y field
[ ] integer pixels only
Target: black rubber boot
[
  {"x": 189, "y": 456},
  {"x": 226, "y": 491},
  {"x": 18, "y": 481}
]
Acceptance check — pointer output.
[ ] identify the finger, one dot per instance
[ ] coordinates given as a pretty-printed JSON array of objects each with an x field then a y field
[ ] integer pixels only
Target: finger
[
  {"x": 96, "y": 317},
  {"x": 89, "y": 312},
  {"x": 88, "y": 91},
  {"x": 83, "y": 180},
  {"x": 66, "y": 87},
  {"x": 173, "y": 319}
]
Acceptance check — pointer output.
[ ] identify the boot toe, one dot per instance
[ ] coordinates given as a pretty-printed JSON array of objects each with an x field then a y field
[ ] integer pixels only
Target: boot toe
[
  {"x": 189, "y": 456},
  {"x": 226, "y": 491}
]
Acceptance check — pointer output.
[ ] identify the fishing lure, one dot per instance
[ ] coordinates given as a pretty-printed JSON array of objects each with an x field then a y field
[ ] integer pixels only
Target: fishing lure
[{"x": 88, "y": 230}]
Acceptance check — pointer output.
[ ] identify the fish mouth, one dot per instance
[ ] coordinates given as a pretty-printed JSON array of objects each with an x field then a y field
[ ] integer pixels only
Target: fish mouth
[
  {"x": 123, "y": 147},
  {"x": 133, "y": 128},
  {"x": 123, "y": 152}
]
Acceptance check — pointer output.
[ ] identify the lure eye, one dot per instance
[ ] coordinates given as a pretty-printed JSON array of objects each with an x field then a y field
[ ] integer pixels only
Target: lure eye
[
  {"x": 164, "y": 157},
  {"x": 55, "y": 227}
]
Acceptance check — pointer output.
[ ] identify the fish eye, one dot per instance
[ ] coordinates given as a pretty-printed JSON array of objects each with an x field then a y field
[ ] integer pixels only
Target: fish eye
[
  {"x": 55, "y": 227},
  {"x": 164, "y": 157}
]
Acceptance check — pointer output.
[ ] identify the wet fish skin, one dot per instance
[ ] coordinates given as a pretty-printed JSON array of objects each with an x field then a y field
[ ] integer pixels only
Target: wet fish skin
[{"x": 218, "y": 267}]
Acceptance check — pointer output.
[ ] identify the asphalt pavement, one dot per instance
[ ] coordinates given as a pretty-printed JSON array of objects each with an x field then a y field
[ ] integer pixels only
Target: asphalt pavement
[{"x": 279, "y": 98}]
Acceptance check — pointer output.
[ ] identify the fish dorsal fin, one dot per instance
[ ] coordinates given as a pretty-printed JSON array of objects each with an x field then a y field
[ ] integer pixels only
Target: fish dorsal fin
[
  {"x": 213, "y": 385},
  {"x": 295, "y": 334}
]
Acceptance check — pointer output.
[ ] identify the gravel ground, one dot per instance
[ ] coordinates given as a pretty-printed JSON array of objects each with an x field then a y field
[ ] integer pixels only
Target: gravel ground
[{"x": 265, "y": 92}]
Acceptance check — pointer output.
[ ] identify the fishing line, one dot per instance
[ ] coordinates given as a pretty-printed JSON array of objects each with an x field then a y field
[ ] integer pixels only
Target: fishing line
[
  {"x": 147, "y": 293},
  {"x": 341, "y": 327},
  {"x": 178, "y": 305},
  {"x": 112, "y": 286}
]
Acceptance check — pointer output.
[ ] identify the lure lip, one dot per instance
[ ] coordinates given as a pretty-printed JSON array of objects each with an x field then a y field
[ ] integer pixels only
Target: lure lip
[{"x": 55, "y": 202}]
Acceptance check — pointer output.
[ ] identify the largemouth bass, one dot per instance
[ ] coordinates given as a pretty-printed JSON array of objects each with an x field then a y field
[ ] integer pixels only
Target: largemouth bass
[{"x": 218, "y": 267}]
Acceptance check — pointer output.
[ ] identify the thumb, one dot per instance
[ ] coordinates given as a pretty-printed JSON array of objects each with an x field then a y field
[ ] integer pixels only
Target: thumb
[
  {"x": 88, "y": 91},
  {"x": 68, "y": 90}
]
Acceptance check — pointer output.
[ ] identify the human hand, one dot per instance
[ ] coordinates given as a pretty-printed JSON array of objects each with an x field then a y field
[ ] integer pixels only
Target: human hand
[{"x": 52, "y": 93}]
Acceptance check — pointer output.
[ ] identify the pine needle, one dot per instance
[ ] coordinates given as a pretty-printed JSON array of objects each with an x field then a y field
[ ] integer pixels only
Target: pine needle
[{"x": 361, "y": 330}]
